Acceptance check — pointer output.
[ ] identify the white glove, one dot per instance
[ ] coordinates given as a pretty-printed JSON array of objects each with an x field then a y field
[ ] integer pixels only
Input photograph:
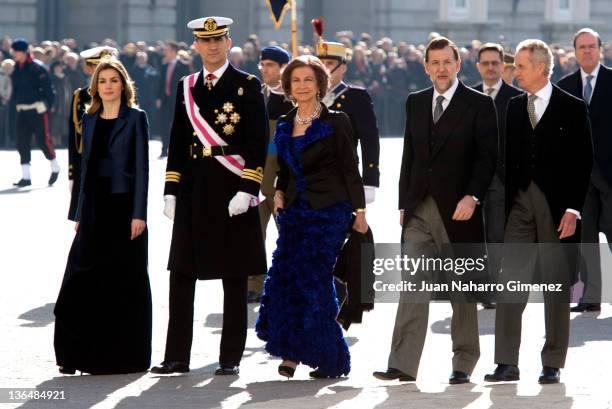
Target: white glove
[
  {"x": 169, "y": 206},
  {"x": 240, "y": 203},
  {"x": 70, "y": 184},
  {"x": 370, "y": 193}
]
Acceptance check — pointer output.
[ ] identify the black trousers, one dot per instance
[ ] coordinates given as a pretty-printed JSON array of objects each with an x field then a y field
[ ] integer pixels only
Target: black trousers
[
  {"x": 597, "y": 217},
  {"x": 180, "y": 322},
  {"x": 31, "y": 122}
]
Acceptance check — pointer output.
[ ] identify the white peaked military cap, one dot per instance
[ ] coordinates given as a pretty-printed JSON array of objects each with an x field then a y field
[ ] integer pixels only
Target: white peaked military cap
[
  {"x": 208, "y": 27},
  {"x": 94, "y": 55}
]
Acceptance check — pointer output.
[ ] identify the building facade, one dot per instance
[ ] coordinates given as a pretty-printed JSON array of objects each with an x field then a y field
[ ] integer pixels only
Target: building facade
[{"x": 408, "y": 20}]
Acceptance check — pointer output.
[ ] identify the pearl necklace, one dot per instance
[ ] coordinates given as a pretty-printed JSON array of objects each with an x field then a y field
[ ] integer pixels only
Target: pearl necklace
[{"x": 306, "y": 121}]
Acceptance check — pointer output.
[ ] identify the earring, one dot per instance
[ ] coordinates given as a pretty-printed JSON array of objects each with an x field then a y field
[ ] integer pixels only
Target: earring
[
  {"x": 319, "y": 96},
  {"x": 292, "y": 99}
]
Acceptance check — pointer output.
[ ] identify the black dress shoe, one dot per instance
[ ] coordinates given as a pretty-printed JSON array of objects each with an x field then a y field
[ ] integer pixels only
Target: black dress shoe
[
  {"x": 549, "y": 375},
  {"x": 458, "y": 377},
  {"x": 392, "y": 373},
  {"x": 66, "y": 370},
  {"x": 53, "y": 178},
  {"x": 584, "y": 307},
  {"x": 253, "y": 297},
  {"x": 488, "y": 305},
  {"x": 504, "y": 373},
  {"x": 168, "y": 367},
  {"x": 23, "y": 183},
  {"x": 227, "y": 370}
]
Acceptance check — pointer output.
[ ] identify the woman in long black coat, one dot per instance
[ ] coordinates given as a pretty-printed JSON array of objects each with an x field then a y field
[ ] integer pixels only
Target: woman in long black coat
[{"x": 103, "y": 311}]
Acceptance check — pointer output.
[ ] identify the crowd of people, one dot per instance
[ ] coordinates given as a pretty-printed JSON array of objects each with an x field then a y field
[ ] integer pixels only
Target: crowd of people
[
  {"x": 388, "y": 69},
  {"x": 471, "y": 155}
]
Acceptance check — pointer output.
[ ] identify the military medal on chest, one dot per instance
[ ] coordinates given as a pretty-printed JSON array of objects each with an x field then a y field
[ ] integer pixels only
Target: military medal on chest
[{"x": 227, "y": 118}]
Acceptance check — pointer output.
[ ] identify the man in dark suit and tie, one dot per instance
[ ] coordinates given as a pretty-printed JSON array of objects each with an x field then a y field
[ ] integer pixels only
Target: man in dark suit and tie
[
  {"x": 491, "y": 67},
  {"x": 171, "y": 72},
  {"x": 592, "y": 82},
  {"x": 449, "y": 158},
  {"x": 548, "y": 163}
]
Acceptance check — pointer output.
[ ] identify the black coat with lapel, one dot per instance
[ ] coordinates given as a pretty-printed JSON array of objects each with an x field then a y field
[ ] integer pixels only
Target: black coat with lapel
[
  {"x": 505, "y": 93},
  {"x": 561, "y": 148},
  {"x": 462, "y": 161},
  {"x": 599, "y": 115},
  {"x": 206, "y": 242}
]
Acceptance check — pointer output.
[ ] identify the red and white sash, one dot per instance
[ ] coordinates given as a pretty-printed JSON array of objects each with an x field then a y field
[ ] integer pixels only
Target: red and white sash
[{"x": 206, "y": 134}]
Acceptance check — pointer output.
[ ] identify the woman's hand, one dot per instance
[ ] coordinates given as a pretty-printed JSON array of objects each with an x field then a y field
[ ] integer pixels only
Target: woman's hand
[
  {"x": 138, "y": 227},
  {"x": 279, "y": 201},
  {"x": 360, "y": 224}
]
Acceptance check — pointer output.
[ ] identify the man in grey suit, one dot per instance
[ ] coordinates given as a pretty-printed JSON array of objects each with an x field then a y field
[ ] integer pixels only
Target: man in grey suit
[
  {"x": 491, "y": 67},
  {"x": 548, "y": 163},
  {"x": 592, "y": 82},
  {"x": 449, "y": 158}
]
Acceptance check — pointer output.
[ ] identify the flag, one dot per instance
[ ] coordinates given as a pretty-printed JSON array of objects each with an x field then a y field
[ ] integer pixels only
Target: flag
[{"x": 277, "y": 10}]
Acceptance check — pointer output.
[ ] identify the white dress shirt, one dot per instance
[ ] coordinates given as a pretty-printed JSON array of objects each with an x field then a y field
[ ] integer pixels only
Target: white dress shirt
[
  {"x": 541, "y": 103},
  {"x": 583, "y": 74},
  {"x": 495, "y": 88},
  {"x": 217, "y": 73},
  {"x": 448, "y": 95}
]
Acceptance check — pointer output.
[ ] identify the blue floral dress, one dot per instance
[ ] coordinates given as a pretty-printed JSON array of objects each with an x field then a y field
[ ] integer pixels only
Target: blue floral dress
[{"x": 297, "y": 318}]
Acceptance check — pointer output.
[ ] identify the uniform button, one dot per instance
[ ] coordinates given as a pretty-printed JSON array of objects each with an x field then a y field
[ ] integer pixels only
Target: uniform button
[
  {"x": 195, "y": 144},
  {"x": 194, "y": 134},
  {"x": 195, "y": 156}
]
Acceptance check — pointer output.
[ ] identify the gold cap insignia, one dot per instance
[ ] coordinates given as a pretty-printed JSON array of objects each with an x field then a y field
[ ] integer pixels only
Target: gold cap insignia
[{"x": 210, "y": 24}]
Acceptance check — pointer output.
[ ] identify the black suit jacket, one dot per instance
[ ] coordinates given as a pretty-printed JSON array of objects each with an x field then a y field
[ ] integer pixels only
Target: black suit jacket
[
  {"x": 128, "y": 159},
  {"x": 329, "y": 164},
  {"x": 180, "y": 70},
  {"x": 505, "y": 93},
  {"x": 599, "y": 115},
  {"x": 563, "y": 152},
  {"x": 462, "y": 161}
]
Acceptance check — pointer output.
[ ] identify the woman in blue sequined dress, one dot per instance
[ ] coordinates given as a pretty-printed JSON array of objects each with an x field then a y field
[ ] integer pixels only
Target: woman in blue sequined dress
[{"x": 319, "y": 197}]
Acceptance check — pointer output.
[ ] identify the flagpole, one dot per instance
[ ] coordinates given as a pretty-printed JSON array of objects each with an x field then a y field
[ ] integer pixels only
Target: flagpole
[{"x": 294, "y": 45}]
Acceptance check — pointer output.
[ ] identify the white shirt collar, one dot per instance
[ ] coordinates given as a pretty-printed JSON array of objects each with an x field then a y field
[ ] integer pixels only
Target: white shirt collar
[
  {"x": 545, "y": 93},
  {"x": 448, "y": 95},
  {"x": 583, "y": 74},
  {"x": 496, "y": 87},
  {"x": 218, "y": 72}
]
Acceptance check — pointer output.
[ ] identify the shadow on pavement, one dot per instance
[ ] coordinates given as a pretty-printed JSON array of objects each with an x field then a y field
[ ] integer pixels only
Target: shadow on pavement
[
  {"x": 410, "y": 396},
  {"x": 81, "y": 391},
  {"x": 587, "y": 327},
  {"x": 38, "y": 317},
  {"x": 550, "y": 396}
]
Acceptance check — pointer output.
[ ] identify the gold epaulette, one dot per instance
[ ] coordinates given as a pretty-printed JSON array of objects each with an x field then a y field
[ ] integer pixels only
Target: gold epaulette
[
  {"x": 78, "y": 122},
  {"x": 254, "y": 175},
  {"x": 172, "y": 176}
]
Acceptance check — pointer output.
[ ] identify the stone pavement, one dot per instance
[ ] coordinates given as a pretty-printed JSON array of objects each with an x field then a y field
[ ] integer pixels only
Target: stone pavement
[{"x": 34, "y": 241}]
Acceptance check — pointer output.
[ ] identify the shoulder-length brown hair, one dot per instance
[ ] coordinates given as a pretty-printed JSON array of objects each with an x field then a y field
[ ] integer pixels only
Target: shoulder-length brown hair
[
  {"x": 321, "y": 73},
  {"x": 128, "y": 95}
]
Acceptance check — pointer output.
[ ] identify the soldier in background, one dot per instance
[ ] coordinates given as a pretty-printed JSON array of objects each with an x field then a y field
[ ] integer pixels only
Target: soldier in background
[
  {"x": 357, "y": 104},
  {"x": 273, "y": 61},
  {"x": 33, "y": 95}
]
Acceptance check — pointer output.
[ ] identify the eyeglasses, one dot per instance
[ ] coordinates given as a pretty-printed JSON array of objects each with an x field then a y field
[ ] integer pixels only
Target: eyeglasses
[{"x": 491, "y": 63}]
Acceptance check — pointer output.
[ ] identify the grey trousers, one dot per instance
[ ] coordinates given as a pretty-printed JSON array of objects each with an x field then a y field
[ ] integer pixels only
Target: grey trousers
[
  {"x": 424, "y": 234},
  {"x": 530, "y": 221},
  {"x": 597, "y": 217}
]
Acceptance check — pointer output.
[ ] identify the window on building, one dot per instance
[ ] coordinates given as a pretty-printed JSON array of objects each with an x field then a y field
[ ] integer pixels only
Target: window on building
[{"x": 463, "y": 10}]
